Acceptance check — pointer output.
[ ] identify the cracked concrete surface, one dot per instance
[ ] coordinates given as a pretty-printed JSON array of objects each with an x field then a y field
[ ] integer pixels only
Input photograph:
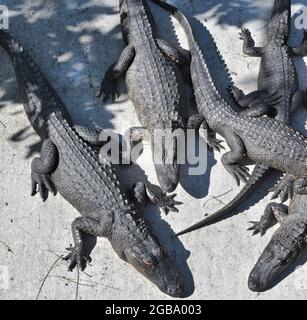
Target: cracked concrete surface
[{"x": 73, "y": 42}]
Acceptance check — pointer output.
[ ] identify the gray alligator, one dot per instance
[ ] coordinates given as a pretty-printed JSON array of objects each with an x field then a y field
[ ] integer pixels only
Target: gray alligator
[
  {"x": 286, "y": 243},
  {"x": 155, "y": 84},
  {"x": 267, "y": 142},
  {"x": 71, "y": 164}
]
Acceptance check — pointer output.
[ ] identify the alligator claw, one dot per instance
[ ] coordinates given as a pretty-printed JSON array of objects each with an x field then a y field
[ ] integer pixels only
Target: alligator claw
[
  {"x": 236, "y": 92},
  {"x": 42, "y": 184},
  {"x": 76, "y": 259},
  {"x": 167, "y": 203},
  {"x": 215, "y": 144},
  {"x": 245, "y": 35},
  {"x": 239, "y": 172},
  {"x": 108, "y": 90},
  {"x": 283, "y": 191},
  {"x": 258, "y": 227}
]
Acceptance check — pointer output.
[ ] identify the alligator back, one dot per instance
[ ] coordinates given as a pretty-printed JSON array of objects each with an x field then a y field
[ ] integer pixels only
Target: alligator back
[
  {"x": 155, "y": 83},
  {"x": 273, "y": 143},
  {"x": 90, "y": 186}
]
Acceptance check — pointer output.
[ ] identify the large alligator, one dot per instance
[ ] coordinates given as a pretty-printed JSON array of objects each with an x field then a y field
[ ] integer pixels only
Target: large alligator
[
  {"x": 71, "y": 164},
  {"x": 267, "y": 142},
  {"x": 155, "y": 85},
  {"x": 286, "y": 243}
]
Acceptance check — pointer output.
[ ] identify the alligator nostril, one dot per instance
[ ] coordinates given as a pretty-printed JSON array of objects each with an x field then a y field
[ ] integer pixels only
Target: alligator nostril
[{"x": 253, "y": 284}]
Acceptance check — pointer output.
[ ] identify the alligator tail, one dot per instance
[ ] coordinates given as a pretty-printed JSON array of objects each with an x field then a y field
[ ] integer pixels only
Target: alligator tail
[
  {"x": 38, "y": 96},
  {"x": 227, "y": 211},
  {"x": 181, "y": 19},
  {"x": 9, "y": 44}
]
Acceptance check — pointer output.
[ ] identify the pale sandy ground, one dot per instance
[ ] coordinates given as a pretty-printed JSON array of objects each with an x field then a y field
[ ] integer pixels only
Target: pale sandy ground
[{"x": 74, "y": 42}]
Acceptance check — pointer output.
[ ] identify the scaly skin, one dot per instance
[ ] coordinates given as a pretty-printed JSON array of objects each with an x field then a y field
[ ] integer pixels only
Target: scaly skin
[
  {"x": 263, "y": 140},
  {"x": 88, "y": 181},
  {"x": 286, "y": 243},
  {"x": 154, "y": 82}
]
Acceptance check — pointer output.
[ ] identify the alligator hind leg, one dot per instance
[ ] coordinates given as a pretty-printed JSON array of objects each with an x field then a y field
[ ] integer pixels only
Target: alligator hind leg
[
  {"x": 108, "y": 87},
  {"x": 80, "y": 226},
  {"x": 198, "y": 122},
  {"x": 42, "y": 168},
  {"x": 284, "y": 189},
  {"x": 300, "y": 186},
  {"x": 142, "y": 193},
  {"x": 302, "y": 49},
  {"x": 256, "y": 104},
  {"x": 230, "y": 159},
  {"x": 298, "y": 100},
  {"x": 274, "y": 212},
  {"x": 244, "y": 100},
  {"x": 249, "y": 44}
]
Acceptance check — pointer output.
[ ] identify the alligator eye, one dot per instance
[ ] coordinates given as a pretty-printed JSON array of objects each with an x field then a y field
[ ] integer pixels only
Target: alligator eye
[{"x": 148, "y": 261}]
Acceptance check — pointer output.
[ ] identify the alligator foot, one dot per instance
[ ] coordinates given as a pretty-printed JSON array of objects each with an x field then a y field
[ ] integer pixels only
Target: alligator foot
[
  {"x": 237, "y": 93},
  {"x": 108, "y": 90},
  {"x": 76, "y": 258},
  {"x": 300, "y": 186},
  {"x": 273, "y": 212},
  {"x": 284, "y": 189},
  {"x": 141, "y": 193},
  {"x": 239, "y": 172},
  {"x": 214, "y": 143},
  {"x": 168, "y": 203},
  {"x": 42, "y": 184},
  {"x": 249, "y": 44}
]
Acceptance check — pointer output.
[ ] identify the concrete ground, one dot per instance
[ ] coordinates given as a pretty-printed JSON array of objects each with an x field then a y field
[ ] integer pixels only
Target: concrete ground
[{"x": 74, "y": 41}]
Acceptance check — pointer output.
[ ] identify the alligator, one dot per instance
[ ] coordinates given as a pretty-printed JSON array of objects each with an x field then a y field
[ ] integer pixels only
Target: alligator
[
  {"x": 71, "y": 164},
  {"x": 154, "y": 75},
  {"x": 287, "y": 242},
  {"x": 268, "y": 142}
]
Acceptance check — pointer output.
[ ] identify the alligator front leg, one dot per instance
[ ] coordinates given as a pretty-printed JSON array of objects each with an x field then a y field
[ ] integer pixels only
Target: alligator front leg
[
  {"x": 42, "y": 168},
  {"x": 81, "y": 225},
  {"x": 197, "y": 122},
  {"x": 230, "y": 159},
  {"x": 108, "y": 87},
  {"x": 174, "y": 54},
  {"x": 274, "y": 212},
  {"x": 249, "y": 44},
  {"x": 302, "y": 49},
  {"x": 142, "y": 193},
  {"x": 92, "y": 136}
]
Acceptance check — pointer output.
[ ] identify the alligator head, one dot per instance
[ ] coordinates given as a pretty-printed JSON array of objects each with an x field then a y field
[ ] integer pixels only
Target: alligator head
[
  {"x": 286, "y": 243},
  {"x": 275, "y": 259},
  {"x": 136, "y": 244},
  {"x": 165, "y": 157},
  {"x": 279, "y": 26}
]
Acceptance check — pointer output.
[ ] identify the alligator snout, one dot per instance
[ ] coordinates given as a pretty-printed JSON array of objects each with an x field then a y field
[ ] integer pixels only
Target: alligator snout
[
  {"x": 254, "y": 283},
  {"x": 175, "y": 290},
  {"x": 168, "y": 176}
]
